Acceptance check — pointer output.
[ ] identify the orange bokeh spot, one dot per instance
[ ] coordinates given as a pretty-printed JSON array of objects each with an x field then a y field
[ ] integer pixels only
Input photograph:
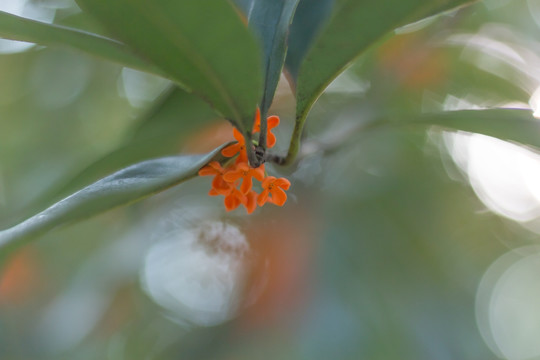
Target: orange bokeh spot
[
  {"x": 209, "y": 138},
  {"x": 19, "y": 277},
  {"x": 413, "y": 62},
  {"x": 278, "y": 285}
]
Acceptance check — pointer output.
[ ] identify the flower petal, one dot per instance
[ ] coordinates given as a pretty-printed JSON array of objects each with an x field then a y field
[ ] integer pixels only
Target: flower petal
[
  {"x": 207, "y": 170},
  {"x": 271, "y": 140},
  {"x": 238, "y": 136},
  {"x": 231, "y": 150},
  {"x": 231, "y": 202},
  {"x": 219, "y": 184},
  {"x": 247, "y": 183},
  {"x": 232, "y": 176},
  {"x": 278, "y": 196},
  {"x": 266, "y": 182},
  {"x": 251, "y": 203},
  {"x": 283, "y": 183},
  {"x": 242, "y": 156},
  {"x": 243, "y": 167},
  {"x": 272, "y": 121},
  {"x": 263, "y": 197},
  {"x": 212, "y": 168},
  {"x": 258, "y": 173},
  {"x": 216, "y": 165}
]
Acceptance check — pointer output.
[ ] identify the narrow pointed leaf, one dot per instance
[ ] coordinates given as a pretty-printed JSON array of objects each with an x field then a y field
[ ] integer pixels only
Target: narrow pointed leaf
[
  {"x": 352, "y": 28},
  {"x": 270, "y": 20},
  {"x": 506, "y": 124},
  {"x": 13, "y": 27},
  {"x": 309, "y": 17},
  {"x": 121, "y": 188},
  {"x": 202, "y": 45}
]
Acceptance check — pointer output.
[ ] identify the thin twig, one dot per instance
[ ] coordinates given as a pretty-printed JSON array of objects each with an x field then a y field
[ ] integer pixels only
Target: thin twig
[{"x": 296, "y": 137}]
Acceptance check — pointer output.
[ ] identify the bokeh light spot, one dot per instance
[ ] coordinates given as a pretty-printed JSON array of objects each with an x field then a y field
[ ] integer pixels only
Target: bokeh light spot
[
  {"x": 508, "y": 305},
  {"x": 196, "y": 273}
]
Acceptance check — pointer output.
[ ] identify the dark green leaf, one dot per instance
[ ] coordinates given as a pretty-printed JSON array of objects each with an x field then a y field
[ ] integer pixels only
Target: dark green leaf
[
  {"x": 308, "y": 19},
  {"x": 201, "y": 45},
  {"x": 270, "y": 19},
  {"x": 17, "y": 28},
  {"x": 352, "y": 28},
  {"x": 121, "y": 188}
]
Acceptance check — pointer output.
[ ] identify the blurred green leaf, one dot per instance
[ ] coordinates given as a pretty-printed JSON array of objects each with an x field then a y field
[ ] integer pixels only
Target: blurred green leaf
[
  {"x": 161, "y": 131},
  {"x": 17, "y": 28},
  {"x": 506, "y": 124},
  {"x": 202, "y": 45},
  {"x": 352, "y": 28},
  {"x": 270, "y": 19},
  {"x": 121, "y": 188}
]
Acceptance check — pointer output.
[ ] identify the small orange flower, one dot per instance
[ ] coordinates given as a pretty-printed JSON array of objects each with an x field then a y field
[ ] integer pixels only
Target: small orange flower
[
  {"x": 226, "y": 181},
  {"x": 238, "y": 148},
  {"x": 233, "y": 199},
  {"x": 246, "y": 173},
  {"x": 271, "y": 122},
  {"x": 219, "y": 185},
  {"x": 274, "y": 187},
  {"x": 251, "y": 202}
]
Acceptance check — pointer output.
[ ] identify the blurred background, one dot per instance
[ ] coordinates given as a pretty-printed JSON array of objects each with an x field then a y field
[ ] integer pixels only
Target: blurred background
[{"x": 400, "y": 242}]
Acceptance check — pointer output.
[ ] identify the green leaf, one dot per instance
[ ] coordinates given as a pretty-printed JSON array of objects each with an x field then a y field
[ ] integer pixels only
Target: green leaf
[
  {"x": 270, "y": 20},
  {"x": 506, "y": 124},
  {"x": 162, "y": 129},
  {"x": 352, "y": 28},
  {"x": 201, "y": 45},
  {"x": 309, "y": 17},
  {"x": 17, "y": 28},
  {"x": 244, "y": 6},
  {"x": 121, "y": 188}
]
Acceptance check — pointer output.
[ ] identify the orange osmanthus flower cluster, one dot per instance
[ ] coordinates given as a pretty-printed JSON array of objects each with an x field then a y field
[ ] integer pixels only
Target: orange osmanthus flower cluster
[{"x": 235, "y": 181}]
